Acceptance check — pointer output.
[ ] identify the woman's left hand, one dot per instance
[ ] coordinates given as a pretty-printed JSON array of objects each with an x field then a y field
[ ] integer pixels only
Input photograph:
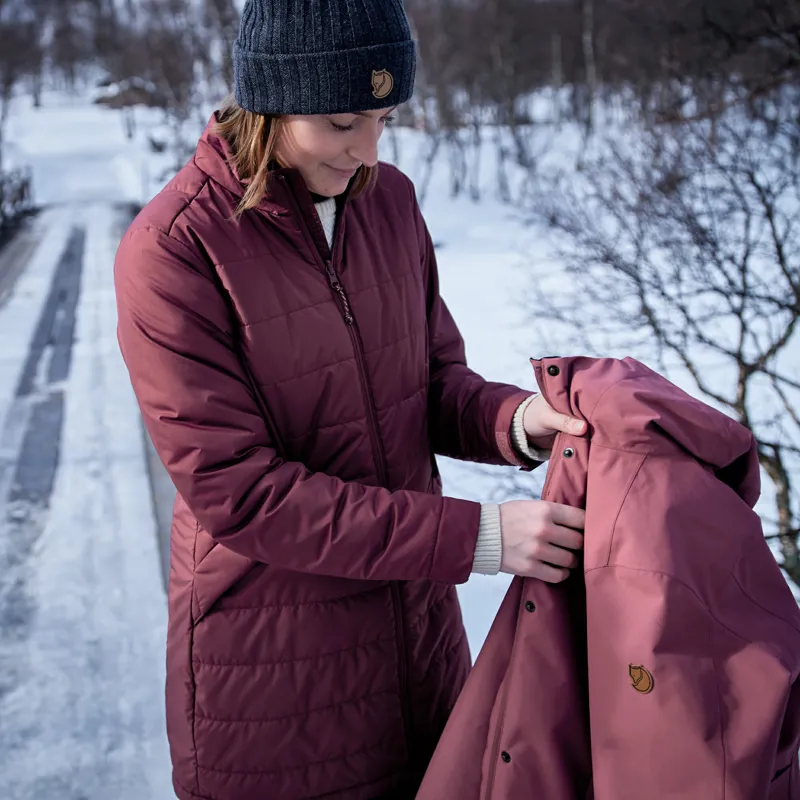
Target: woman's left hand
[{"x": 542, "y": 422}]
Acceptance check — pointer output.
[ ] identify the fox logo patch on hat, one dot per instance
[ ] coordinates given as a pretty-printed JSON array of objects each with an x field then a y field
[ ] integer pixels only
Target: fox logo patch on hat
[{"x": 382, "y": 83}]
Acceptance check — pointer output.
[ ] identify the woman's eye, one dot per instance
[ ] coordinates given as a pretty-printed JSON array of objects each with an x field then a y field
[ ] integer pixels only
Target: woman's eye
[
  {"x": 387, "y": 120},
  {"x": 341, "y": 127}
]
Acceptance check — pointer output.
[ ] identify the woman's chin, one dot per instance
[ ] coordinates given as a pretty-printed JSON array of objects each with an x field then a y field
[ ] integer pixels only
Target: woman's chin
[{"x": 330, "y": 188}]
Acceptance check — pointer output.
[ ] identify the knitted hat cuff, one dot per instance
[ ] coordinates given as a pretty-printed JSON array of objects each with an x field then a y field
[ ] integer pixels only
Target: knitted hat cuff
[{"x": 337, "y": 82}]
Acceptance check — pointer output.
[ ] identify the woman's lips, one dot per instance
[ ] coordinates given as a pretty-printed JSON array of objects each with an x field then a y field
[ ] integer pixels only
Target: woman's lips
[{"x": 343, "y": 173}]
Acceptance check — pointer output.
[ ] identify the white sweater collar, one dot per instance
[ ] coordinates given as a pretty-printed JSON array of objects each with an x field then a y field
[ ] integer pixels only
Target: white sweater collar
[{"x": 326, "y": 211}]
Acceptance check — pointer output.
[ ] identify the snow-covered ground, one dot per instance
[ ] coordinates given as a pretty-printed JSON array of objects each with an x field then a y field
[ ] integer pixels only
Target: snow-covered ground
[
  {"x": 83, "y": 610},
  {"x": 81, "y": 708}
]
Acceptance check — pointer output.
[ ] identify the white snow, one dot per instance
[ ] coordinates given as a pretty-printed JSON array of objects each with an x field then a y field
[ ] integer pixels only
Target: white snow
[
  {"x": 18, "y": 320},
  {"x": 86, "y": 717}
]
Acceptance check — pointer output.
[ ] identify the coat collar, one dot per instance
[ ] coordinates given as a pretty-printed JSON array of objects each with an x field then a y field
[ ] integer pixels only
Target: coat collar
[{"x": 286, "y": 191}]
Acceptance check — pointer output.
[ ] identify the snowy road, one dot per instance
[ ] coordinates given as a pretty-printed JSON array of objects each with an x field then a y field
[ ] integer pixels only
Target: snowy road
[{"x": 82, "y": 605}]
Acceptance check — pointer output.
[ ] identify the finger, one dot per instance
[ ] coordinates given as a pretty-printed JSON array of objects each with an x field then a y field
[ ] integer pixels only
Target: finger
[
  {"x": 557, "y": 556},
  {"x": 544, "y": 572},
  {"x": 576, "y": 427},
  {"x": 570, "y": 425},
  {"x": 568, "y": 538},
  {"x": 568, "y": 516},
  {"x": 550, "y": 419}
]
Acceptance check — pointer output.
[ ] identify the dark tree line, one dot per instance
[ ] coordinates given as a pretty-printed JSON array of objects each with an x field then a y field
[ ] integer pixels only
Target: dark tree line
[
  {"x": 664, "y": 54},
  {"x": 170, "y": 54}
]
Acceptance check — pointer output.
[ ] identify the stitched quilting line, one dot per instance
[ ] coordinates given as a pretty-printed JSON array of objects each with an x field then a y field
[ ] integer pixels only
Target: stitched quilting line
[
  {"x": 430, "y": 607},
  {"x": 438, "y": 657},
  {"x": 351, "y": 293},
  {"x": 305, "y": 374},
  {"x": 284, "y": 314},
  {"x": 310, "y": 603},
  {"x": 402, "y": 400},
  {"x": 342, "y": 757},
  {"x": 304, "y": 713},
  {"x": 315, "y": 657},
  {"x": 359, "y": 419},
  {"x": 412, "y": 335},
  {"x": 321, "y": 367},
  {"x": 317, "y": 428},
  {"x": 363, "y": 786}
]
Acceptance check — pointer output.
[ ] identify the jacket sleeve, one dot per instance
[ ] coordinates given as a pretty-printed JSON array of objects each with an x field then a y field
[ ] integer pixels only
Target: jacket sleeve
[
  {"x": 469, "y": 418},
  {"x": 176, "y": 338}
]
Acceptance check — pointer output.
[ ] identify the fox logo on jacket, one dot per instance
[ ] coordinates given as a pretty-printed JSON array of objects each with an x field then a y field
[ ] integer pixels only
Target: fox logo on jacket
[{"x": 641, "y": 679}]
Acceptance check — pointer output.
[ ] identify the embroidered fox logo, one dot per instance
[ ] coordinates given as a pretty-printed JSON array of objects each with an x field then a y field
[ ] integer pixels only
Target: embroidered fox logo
[
  {"x": 382, "y": 83},
  {"x": 641, "y": 679}
]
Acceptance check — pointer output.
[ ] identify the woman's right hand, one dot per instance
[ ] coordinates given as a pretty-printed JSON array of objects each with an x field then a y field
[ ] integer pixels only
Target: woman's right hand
[{"x": 539, "y": 539}]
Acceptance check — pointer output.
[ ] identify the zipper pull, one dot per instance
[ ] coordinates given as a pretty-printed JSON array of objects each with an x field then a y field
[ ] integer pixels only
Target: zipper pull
[
  {"x": 332, "y": 277},
  {"x": 337, "y": 287}
]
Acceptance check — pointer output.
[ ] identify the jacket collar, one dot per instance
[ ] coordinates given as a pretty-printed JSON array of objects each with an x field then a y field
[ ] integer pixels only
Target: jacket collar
[{"x": 286, "y": 191}]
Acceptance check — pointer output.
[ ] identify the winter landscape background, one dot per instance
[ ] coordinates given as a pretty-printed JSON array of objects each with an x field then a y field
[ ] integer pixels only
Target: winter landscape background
[{"x": 604, "y": 177}]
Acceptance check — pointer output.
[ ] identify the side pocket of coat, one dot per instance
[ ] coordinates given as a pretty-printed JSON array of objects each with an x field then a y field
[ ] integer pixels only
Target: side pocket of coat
[{"x": 220, "y": 570}]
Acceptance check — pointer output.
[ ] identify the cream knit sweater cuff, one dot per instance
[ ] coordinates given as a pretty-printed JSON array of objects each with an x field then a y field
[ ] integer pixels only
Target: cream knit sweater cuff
[
  {"x": 520, "y": 439},
  {"x": 489, "y": 548}
]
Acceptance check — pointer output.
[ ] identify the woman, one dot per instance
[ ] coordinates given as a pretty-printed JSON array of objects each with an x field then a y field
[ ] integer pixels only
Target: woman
[{"x": 297, "y": 369}]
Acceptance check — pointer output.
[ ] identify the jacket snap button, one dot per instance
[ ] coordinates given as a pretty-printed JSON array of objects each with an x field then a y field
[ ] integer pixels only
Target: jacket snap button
[
  {"x": 568, "y": 452},
  {"x": 505, "y": 756},
  {"x": 530, "y": 606},
  {"x": 553, "y": 370}
]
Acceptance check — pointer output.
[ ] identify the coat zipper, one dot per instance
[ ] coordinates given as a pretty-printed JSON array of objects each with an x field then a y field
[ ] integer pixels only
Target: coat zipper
[
  {"x": 358, "y": 348},
  {"x": 504, "y": 699},
  {"x": 380, "y": 460},
  {"x": 339, "y": 291},
  {"x": 379, "y": 455}
]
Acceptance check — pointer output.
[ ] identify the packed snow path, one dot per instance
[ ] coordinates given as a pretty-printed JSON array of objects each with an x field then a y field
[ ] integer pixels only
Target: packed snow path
[{"x": 82, "y": 607}]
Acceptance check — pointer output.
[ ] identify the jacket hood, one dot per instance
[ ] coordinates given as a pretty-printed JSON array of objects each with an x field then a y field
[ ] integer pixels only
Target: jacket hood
[{"x": 630, "y": 407}]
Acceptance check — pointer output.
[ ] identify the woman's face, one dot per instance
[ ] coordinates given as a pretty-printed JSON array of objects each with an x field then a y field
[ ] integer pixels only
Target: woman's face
[{"x": 328, "y": 149}]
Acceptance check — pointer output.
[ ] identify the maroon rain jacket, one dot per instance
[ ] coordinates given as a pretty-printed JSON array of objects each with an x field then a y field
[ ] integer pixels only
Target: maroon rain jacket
[
  {"x": 669, "y": 669},
  {"x": 296, "y": 396}
]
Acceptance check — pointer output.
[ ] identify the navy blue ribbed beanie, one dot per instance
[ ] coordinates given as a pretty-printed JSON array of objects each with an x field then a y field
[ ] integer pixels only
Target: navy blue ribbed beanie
[{"x": 323, "y": 56}]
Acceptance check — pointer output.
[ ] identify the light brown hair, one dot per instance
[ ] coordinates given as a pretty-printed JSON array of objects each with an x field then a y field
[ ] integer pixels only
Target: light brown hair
[{"x": 253, "y": 139}]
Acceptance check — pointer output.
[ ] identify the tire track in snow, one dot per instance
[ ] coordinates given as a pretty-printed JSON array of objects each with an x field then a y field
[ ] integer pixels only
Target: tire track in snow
[
  {"x": 36, "y": 417},
  {"x": 85, "y": 720}
]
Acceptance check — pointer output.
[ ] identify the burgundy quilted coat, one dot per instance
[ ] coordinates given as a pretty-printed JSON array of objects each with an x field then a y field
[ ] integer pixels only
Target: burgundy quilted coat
[
  {"x": 296, "y": 397},
  {"x": 669, "y": 669}
]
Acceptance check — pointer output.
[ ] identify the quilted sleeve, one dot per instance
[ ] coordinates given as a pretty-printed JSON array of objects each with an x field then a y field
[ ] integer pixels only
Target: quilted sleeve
[
  {"x": 175, "y": 336},
  {"x": 470, "y": 418}
]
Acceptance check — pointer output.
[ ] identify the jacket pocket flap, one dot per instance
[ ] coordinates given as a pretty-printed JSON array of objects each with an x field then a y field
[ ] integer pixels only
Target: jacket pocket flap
[{"x": 214, "y": 575}]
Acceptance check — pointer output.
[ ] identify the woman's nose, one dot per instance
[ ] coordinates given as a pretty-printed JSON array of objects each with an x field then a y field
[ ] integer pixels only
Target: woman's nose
[{"x": 365, "y": 148}]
